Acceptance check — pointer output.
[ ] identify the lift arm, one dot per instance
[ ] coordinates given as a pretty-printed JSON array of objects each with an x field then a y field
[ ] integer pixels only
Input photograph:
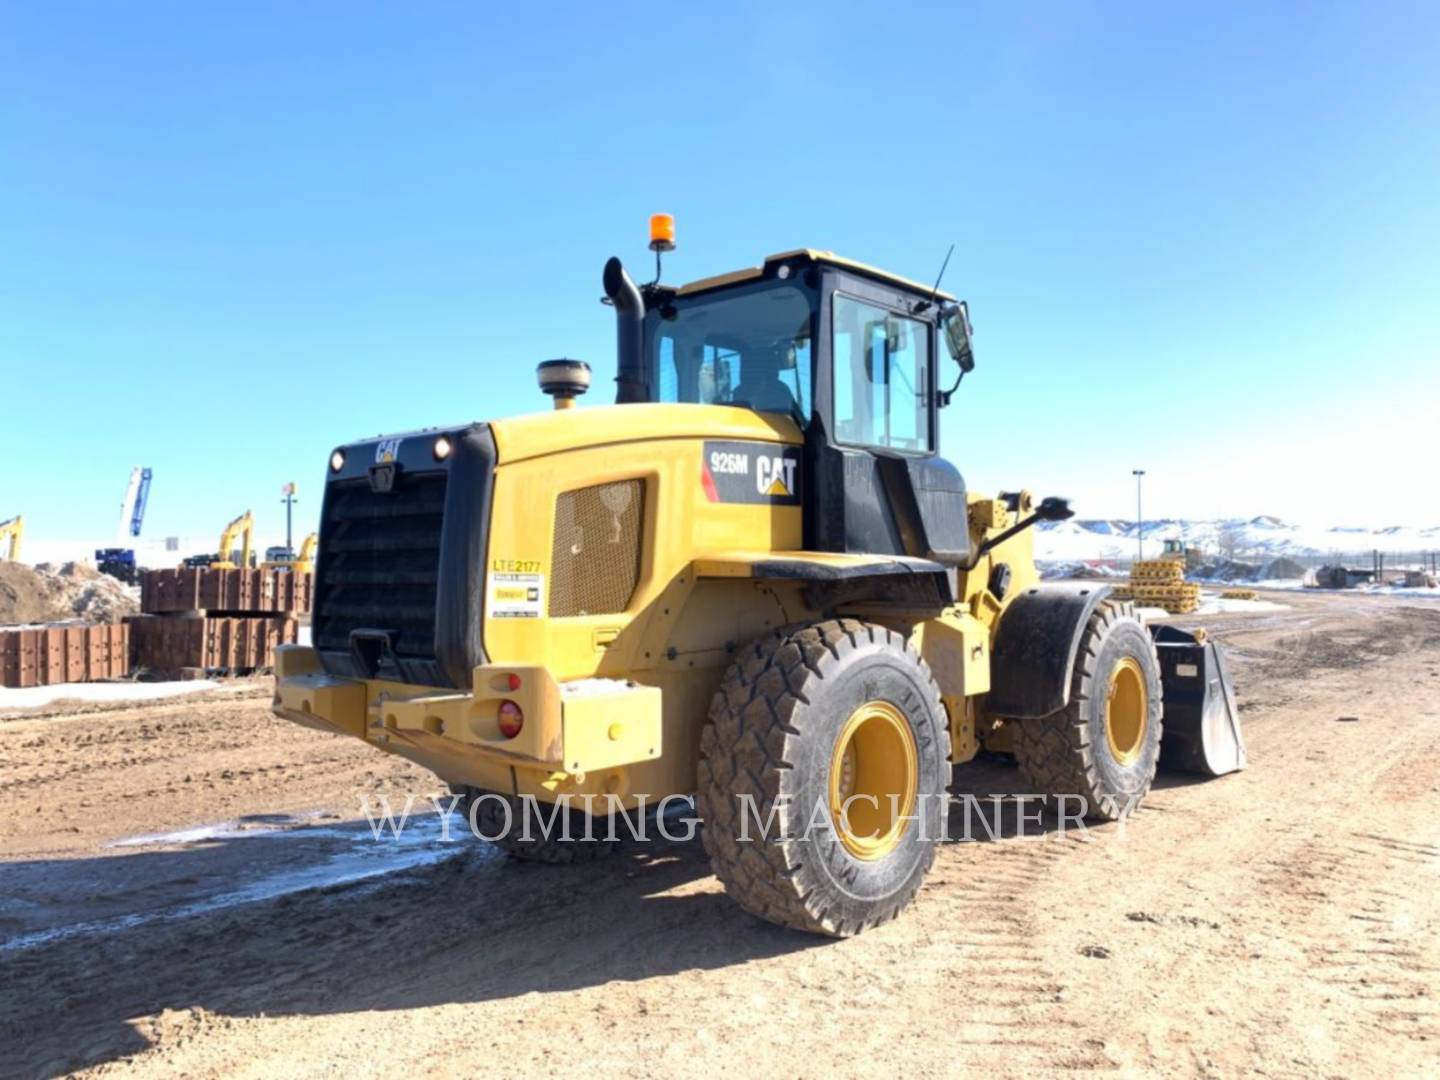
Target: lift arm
[
  {"x": 244, "y": 527},
  {"x": 14, "y": 530},
  {"x": 142, "y": 497},
  {"x": 132, "y": 510},
  {"x": 305, "y": 561}
]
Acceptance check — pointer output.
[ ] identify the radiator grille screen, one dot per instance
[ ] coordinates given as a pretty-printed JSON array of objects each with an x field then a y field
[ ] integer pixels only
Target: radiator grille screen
[
  {"x": 381, "y": 558},
  {"x": 595, "y": 562}
]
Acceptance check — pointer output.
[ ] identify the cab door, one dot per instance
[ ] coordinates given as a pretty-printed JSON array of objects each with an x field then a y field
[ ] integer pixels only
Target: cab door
[{"x": 878, "y": 485}]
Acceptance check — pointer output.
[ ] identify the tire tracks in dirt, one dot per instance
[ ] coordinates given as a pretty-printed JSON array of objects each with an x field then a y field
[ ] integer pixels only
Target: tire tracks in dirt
[{"x": 1283, "y": 918}]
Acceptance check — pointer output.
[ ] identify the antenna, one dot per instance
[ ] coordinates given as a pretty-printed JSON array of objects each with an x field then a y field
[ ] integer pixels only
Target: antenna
[{"x": 935, "y": 292}]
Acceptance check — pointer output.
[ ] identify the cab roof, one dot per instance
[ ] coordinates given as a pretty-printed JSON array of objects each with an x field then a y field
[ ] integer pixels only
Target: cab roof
[{"x": 828, "y": 258}]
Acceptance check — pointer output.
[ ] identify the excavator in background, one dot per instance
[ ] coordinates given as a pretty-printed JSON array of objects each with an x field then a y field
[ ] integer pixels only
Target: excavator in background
[
  {"x": 242, "y": 527},
  {"x": 14, "y": 531},
  {"x": 282, "y": 558},
  {"x": 305, "y": 561}
]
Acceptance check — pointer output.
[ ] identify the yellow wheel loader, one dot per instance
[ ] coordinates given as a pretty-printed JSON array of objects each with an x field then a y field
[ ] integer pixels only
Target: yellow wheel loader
[{"x": 752, "y": 580}]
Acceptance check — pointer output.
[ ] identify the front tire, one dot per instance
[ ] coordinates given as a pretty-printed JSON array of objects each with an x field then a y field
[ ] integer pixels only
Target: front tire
[
  {"x": 1103, "y": 747},
  {"x": 823, "y": 771}
]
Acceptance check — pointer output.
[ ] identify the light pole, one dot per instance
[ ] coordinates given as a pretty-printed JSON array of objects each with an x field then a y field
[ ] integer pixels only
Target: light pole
[
  {"x": 289, "y": 492},
  {"x": 1139, "y": 513}
]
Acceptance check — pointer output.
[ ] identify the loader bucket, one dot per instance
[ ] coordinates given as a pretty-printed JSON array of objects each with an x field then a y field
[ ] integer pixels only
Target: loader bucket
[{"x": 1201, "y": 725}]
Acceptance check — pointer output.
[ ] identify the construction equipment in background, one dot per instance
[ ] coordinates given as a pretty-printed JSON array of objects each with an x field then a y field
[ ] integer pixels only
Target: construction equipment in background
[
  {"x": 1161, "y": 583},
  {"x": 242, "y": 527},
  {"x": 137, "y": 497},
  {"x": 119, "y": 562},
  {"x": 545, "y": 609},
  {"x": 1190, "y": 557},
  {"x": 282, "y": 558},
  {"x": 13, "y": 531},
  {"x": 1343, "y": 577},
  {"x": 305, "y": 561}
]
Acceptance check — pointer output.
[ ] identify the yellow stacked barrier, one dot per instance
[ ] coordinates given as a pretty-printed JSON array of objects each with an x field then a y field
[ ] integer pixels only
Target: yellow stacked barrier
[
  {"x": 1158, "y": 570},
  {"x": 1160, "y": 583}
]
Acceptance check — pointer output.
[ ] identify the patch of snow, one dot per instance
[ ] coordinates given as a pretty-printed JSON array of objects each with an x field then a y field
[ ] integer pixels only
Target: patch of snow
[
  {"x": 362, "y": 858},
  {"x": 224, "y": 830},
  {"x": 1215, "y": 604},
  {"x": 32, "y": 697},
  {"x": 1398, "y": 590}
]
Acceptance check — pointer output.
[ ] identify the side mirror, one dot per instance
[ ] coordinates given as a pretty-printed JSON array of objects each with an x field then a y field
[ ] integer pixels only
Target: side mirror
[
  {"x": 1054, "y": 508},
  {"x": 957, "y": 336}
]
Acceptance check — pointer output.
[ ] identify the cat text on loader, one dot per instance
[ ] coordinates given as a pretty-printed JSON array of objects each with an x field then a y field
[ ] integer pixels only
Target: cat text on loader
[{"x": 753, "y": 579}]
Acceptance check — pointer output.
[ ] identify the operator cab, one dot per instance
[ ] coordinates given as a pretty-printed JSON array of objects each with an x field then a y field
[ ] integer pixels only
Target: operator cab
[
  {"x": 748, "y": 339},
  {"x": 850, "y": 353}
]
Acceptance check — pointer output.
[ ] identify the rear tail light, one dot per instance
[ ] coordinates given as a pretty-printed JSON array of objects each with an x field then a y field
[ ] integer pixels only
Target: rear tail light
[{"x": 512, "y": 719}]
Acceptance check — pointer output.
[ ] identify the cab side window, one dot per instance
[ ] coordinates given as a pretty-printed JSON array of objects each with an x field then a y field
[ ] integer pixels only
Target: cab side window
[{"x": 880, "y": 378}]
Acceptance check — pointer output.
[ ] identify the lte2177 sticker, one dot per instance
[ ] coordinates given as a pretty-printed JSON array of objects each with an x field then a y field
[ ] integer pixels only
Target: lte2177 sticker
[{"x": 515, "y": 566}]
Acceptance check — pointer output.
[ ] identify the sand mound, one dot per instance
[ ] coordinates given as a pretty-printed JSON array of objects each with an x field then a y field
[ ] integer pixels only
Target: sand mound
[
  {"x": 1282, "y": 569},
  {"x": 74, "y": 591}
]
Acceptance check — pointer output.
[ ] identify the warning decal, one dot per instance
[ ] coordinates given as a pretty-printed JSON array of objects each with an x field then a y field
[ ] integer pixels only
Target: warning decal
[
  {"x": 750, "y": 472},
  {"x": 515, "y": 596}
]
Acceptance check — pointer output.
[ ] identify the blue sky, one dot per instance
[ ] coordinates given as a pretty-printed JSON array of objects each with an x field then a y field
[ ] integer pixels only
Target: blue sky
[{"x": 1198, "y": 238}]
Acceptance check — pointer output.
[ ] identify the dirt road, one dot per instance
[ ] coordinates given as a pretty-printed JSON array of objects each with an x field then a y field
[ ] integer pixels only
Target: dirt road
[{"x": 1284, "y": 921}]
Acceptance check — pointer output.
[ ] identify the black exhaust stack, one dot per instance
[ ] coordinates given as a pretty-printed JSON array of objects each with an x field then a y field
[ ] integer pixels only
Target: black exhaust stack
[{"x": 632, "y": 383}]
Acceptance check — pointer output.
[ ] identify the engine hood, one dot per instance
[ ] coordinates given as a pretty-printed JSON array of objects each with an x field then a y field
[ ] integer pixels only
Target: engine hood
[{"x": 521, "y": 437}]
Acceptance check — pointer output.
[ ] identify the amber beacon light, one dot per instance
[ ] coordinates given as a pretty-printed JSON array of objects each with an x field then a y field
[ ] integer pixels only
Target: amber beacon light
[{"x": 662, "y": 232}]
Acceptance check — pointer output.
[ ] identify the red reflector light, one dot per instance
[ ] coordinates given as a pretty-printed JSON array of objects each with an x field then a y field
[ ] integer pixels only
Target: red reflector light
[
  {"x": 511, "y": 719},
  {"x": 512, "y": 681}
]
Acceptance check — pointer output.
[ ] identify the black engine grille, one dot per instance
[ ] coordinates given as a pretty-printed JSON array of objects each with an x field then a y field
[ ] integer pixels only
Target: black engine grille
[{"x": 380, "y": 562}]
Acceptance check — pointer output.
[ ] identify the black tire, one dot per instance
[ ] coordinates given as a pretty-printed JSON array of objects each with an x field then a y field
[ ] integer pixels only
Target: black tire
[
  {"x": 1068, "y": 753},
  {"x": 541, "y": 845},
  {"x": 774, "y": 734}
]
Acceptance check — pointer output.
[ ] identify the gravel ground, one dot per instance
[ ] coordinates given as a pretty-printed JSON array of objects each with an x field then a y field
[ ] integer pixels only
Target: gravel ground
[{"x": 1280, "y": 922}]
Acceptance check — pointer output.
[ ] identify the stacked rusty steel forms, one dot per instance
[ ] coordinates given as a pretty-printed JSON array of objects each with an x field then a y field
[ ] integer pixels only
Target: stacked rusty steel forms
[
  {"x": 199, "y": 620},
  {"x": 63, "y": 653}
]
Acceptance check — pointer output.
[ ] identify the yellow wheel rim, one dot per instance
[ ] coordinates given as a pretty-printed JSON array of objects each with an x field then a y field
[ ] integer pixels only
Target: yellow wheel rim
[
  {"x": 874, "y": 775},
  {"x": 1127, "y": 711}
]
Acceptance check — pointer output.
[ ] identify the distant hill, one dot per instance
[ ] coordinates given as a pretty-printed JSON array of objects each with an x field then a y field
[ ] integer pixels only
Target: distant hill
[{"x": 1258, "y": 538}]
